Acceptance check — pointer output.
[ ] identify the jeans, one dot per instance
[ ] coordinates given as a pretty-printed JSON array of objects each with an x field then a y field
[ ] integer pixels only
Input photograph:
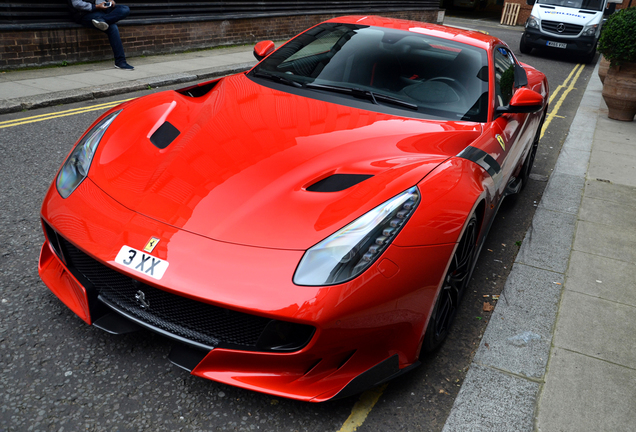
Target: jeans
[{"x": 111, "y": 16}]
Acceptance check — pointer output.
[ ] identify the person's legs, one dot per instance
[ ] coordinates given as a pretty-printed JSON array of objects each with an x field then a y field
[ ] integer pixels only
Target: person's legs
[
  {"x": 87, "y": 20},
  {"x": 115, "y": 44},
  {"x": 112, "y": 31},
  {"x": 111, "y": 16},
  {"x": 114, "y": 14}
]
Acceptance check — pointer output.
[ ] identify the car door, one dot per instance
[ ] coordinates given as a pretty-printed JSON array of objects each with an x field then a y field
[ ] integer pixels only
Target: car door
[{"x": 510, "y": 131}]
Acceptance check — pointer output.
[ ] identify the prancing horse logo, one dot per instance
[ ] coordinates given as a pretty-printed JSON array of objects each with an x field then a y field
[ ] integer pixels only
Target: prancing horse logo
[{"x": 141, "y": 300}]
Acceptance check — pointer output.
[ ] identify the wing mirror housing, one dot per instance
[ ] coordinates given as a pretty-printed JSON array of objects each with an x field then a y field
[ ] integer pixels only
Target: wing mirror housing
[
  {"x": 530, "y": 2},
  {"x": 263, "y": 49},
  {"x": 523, "y": 101}
]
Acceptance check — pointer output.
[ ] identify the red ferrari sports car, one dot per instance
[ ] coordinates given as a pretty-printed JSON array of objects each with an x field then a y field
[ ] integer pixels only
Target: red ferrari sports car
[{"x": 307, "y": 228}]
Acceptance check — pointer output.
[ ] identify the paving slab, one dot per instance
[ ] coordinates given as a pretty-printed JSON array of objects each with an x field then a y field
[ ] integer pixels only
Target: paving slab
[
  {"x": 547, "y": 242},
  {"x": 53, "y": 98},
  {"x": 617, "y": 146},
  {"x": 574, "y": 161},
  {"x": 615, "y": 167},
  {"x": 51, "y": 84},
  {"x": 519, "y": 335},
  {"x": 564, "y": 193},
  {"x": 597, "y": 328},
  {"x": 614, "y": 130},
  {"x": 607, "y": 241},
  {"x": 611, "y": 193},
  {"x": 493, "y": 401},
  {"x": 582, "y": 393},
  {"x": 101, "y": 77},
  {"x": 614, "y": 214},
  {"x": 12, "y": 90},
  {"x": 602, "y": 277}
]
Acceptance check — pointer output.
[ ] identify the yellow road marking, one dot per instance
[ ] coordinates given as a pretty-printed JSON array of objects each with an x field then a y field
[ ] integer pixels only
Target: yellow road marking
[
  {"x": 50, "y": 116},
  {"x": 362, "y": 408},
  {"x": 567, "y": 87}
]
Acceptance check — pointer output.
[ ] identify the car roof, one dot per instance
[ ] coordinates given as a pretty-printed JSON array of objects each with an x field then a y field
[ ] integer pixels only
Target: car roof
[{"x": 468, "y": 37}]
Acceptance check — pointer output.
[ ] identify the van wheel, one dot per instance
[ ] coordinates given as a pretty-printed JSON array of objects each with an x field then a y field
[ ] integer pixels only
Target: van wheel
[
  {"x": 524, "y": 47},
  {"x": 589, "y": 58}
]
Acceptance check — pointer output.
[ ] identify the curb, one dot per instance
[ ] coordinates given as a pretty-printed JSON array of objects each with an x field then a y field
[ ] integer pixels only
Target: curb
[
  {"x": 89, "y": 93},
  {"x": 501, "y": 391}
]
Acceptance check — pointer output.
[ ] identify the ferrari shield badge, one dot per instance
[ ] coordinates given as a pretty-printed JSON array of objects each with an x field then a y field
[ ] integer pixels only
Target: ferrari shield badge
[
  {"x": 151, "y": 244},
  {"x": 501, "y": 142}
]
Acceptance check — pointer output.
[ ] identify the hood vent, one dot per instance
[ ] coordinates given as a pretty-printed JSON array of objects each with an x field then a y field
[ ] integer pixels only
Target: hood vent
[
  {"x": 164, "y": 135},
  {"x": 338, "y": 182}
]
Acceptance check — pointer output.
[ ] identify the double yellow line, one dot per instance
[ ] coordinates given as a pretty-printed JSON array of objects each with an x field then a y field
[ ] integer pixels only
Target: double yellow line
[
  {"x": 565, "y": 89},
  {"x": 75, "y": 111}
]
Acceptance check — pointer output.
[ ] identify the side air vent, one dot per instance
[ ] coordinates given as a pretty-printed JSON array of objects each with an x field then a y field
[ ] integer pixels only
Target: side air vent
[
  {"x": 338, "y": 182},
  {"x": 199, "y": 89},
  {"x": 164, "y": 135}
]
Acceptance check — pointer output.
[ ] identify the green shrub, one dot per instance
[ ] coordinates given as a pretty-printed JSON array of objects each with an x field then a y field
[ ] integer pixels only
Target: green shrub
[{"x": 618, "y": 38}]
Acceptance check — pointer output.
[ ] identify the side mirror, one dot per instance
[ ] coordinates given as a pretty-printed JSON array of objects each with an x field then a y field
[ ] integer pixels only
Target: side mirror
[
  {"x": 263, "y": 49},
  {"x": 523, "y": 101},
  {"x": 530, "y": 2}
]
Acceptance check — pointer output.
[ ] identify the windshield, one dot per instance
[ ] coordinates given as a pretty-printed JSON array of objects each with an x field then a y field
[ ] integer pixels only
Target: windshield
[
  {"x": 401, "y": 69},
  {"x": 595, "y": 5}
]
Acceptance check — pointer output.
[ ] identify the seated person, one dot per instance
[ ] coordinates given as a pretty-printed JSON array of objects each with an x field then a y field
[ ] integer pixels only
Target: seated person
[{"x": 103, "y": 15}]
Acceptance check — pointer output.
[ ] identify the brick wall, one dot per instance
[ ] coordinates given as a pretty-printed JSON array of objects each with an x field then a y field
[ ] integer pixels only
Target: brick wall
[{"x": 24, "y": 48}]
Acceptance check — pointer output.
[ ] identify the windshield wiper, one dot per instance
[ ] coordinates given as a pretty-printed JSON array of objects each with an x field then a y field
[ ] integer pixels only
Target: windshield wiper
[
  {"x": 277, "y": 78},
  {"x": 363, "y": 94}
]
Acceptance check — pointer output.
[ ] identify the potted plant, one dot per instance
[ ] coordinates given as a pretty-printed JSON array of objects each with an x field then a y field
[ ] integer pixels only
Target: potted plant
[{"x": 618, "y": 46}]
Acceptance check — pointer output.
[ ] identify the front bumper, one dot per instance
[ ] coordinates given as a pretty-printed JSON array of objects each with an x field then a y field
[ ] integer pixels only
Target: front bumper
[
  {"x": 579, "y": 45},
  {"x": 362, "y": 332}
]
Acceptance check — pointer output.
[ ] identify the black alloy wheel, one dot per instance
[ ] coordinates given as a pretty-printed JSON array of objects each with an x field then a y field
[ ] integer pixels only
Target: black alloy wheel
[{"x": 453, "y": 288}]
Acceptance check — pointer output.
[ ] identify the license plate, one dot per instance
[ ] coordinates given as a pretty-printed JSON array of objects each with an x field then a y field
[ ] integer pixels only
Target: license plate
[
  {"x": 556, "y": 44},
  {"x": 141, "y": 262}
]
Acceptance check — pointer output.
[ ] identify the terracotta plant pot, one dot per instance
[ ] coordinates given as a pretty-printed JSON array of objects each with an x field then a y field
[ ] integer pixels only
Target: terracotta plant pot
[
  {"x": 603, "y": 66},
  {"x": 619, "y": 92}
]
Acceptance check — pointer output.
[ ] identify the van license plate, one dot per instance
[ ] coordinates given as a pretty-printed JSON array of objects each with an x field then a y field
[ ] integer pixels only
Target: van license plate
[{"x": 556, "y": 44}]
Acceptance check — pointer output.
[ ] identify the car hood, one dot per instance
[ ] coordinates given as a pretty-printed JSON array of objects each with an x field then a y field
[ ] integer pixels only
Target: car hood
[{"x": 242, "y": 166}]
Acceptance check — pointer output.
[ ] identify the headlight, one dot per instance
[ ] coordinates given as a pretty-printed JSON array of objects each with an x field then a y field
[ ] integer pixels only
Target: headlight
[
  {"x": 351, "y": 250},
  {"x": 532, "y": 22},
  {"x": 75, "y": 169},
  {"x": 590, "y": 30}
]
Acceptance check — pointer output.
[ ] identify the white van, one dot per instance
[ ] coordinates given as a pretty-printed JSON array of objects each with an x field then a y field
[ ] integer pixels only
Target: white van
[{"x": 572, "y": 25}]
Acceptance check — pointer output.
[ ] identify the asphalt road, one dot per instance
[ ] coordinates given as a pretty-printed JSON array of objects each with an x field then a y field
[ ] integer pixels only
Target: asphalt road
[{"x": 56, "y": 373}]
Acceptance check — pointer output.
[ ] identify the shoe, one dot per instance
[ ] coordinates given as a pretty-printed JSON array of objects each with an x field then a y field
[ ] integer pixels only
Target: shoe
[
  {"x": 124, "y": 66},
  {"x": 100, "y": 25}
]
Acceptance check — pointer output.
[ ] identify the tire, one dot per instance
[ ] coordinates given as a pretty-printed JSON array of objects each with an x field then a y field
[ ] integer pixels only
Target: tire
[
  {"x": 589, "y": 57},
  {"x": 524, "y": 47},
  {"x": 453, "y": 288}
]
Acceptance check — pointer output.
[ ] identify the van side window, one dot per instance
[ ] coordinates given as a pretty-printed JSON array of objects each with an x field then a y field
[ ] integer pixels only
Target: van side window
[{"x": 504, "y": 76}]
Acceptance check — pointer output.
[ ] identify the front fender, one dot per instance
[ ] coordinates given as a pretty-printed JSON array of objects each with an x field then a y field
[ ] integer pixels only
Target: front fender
[{"x": 450, "y": 194}]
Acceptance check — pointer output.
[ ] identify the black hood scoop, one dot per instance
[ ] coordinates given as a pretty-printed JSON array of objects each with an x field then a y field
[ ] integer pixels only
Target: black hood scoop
[
  {"x": 338, "y": 182},
  {"x": 164, "y": 135}
]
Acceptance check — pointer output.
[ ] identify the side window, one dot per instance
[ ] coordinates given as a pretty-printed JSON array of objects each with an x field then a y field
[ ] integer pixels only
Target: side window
[{"x": 504, "y": 76}]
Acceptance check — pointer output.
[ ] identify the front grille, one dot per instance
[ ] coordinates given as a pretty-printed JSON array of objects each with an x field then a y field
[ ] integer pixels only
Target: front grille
[
  {"x": 566, "y": 30},
  {"x": 194, "y": 321}
]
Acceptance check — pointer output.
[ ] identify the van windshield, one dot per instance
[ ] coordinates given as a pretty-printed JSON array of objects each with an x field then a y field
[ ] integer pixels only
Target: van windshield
[{"x": 596, "y": 5}]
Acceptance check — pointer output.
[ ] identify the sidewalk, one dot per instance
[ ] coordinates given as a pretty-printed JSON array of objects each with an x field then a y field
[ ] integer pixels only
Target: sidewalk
[
  {"x": 37, "y": 88},
  {"x": 559, "y": 353}
]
